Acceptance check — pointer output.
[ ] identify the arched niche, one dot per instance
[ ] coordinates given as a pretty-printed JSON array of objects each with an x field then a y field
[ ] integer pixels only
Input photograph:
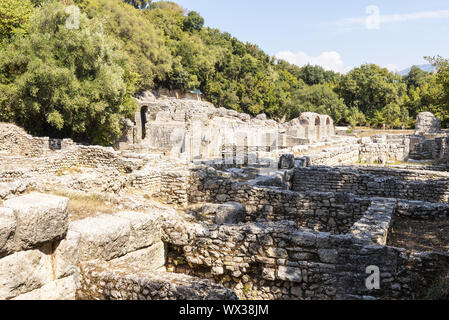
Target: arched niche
[{"x": 144, "y": 120}]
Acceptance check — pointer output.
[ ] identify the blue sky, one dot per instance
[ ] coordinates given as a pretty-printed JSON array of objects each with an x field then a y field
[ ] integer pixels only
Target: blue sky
[{"x": 338, "y": 35}]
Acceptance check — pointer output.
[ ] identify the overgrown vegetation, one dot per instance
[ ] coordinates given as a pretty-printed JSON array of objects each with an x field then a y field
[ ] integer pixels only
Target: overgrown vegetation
[{"x": 79, "y": 82}]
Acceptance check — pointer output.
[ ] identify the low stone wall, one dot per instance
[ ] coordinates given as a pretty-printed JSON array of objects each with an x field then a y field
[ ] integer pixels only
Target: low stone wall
[
  {"x": 368, "y": 185},
  {"x": 267, "y": 260},
  {"x": 419, "y": 210},
  {"x": 319, "y": 211},
  {"x": 381, "y": 149},
  {"x": 109, "y": 281}
]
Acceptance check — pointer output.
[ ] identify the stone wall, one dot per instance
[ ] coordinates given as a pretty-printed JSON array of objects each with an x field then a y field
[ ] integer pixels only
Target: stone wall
[
  {"x": 109, "y": 281},
  {"x": 276, "y": 260},
  {"x": 365, "y": 184},
  {"x": 198, "y": 130},
  {"x": 319, "y": 211}
]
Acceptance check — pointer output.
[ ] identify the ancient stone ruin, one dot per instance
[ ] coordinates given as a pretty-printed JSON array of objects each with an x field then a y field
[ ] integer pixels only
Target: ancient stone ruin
[{"x": 280, "y": 211}]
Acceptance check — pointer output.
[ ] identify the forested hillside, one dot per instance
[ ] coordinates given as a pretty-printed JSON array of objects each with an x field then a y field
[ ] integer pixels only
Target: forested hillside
[{"x": 70, "y": 77}]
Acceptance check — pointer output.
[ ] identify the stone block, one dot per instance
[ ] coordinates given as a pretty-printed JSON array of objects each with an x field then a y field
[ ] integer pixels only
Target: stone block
[
  {"x": 152, "y": 258},
  {"x": 145, "y": 230},
  {"x": 23, "y": 272},
  {"x": 66, "y": 255},
  {"x": 289, "y": 274},
  {"x": 62, "y": 289},
  {"x": 103, "y": 237},
  {"x": 40, "y": 218},
  {"x": 7, "y": 230}
]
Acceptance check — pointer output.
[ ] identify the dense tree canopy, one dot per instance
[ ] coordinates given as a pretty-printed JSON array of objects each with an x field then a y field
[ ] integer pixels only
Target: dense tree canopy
[
  {"x": 78, "y": 83},
  {"x": 63, "y": 82}
]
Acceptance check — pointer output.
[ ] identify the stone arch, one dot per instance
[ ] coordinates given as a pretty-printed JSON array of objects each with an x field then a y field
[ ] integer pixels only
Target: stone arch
[
  {"x": 144, "y": 120},
  {"x": 318, "y": 128},
  {"x": 328, "y": 126}
]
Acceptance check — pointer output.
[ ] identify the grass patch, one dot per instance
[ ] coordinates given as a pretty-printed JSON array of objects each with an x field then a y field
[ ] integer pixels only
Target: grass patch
[
  {"x": 82, "y": 206},
  {"x": 66, "y": 171}
]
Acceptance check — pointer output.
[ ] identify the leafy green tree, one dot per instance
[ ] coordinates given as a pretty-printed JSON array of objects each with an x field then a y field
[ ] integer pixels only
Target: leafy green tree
[
  {"x": 312, "y": 75},
  {"x": 416, "y": 77},
  {"x": 370, "y": 88},
  {"x": 150, "y": 59},
  {"x": 355, "y": 117},
  {"x": 64, "y": 82},
  {"x": 319, "y": 98},
  {"x": 193, "y": 22},
  {"x": 139, "y": 4},
  {"x": 14, "y": 17}
]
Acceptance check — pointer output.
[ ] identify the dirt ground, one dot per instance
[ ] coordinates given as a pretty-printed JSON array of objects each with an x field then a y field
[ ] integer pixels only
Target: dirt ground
[{"x": 420, "y": 235}]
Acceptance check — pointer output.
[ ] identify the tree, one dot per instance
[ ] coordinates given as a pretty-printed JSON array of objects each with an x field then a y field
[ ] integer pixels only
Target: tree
[
  {"x": 14, "y": 17},
  {"x": 150, "y": 59},
  {"x": 319, "y": 98},
  {"x": 193, "y": 22},
  {"x": 63, "y": 82},
  {"x": 416, "y": 77},
  {"x": 139, "y": 4},
  {"x": 312, "y": 75},
  {"x": 370, "y": 88}
]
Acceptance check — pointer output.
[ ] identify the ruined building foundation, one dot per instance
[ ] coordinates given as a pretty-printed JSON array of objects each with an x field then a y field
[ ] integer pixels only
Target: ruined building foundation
[{"x": 286, "y": 211}]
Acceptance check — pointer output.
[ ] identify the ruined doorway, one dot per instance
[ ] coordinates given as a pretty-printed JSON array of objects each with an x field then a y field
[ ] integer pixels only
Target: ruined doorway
[
  {"x": 143, "y": 119},
  {"x": 318, "y": 128}
]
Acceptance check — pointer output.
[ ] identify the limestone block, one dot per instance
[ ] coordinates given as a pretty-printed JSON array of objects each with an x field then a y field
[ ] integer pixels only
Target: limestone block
[
  {"x": 152, "y": 258},
  {"x": 427, "y": 123},
  {"x": 103, "y": 237},
  {"x": 328, "y": 255},
  {"x": 287, "y": 161},
  {"x": 40, "y": 218},
  {"x": 62, "y": 289},
  {"x": 227, "y": 213},
  {"x": 7, "y": 230},
  {"x": 289, "y": 274},
  {"x": 144, "y": 229},
  {"x": 23, "y": 272},
  {"x": 66, "y": 256}
]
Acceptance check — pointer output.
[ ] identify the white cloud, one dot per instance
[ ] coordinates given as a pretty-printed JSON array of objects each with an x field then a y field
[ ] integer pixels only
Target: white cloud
[
  {"x": 360, "y": 22},
  {"x": 328, "y": 60}
]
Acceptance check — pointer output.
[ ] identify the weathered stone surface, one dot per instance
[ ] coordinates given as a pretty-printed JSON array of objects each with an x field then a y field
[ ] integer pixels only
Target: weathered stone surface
[
  {"x": 119, "y": 282},
  {"x": 66, "y": 255},
  {"x": 40, "y": 218},
  {"x": 227, "y": 213},
  {"x": 152, "y": 258},
  {"x": 287, "y": 161},
  {"x": 23, "y": 272},
  {"x": 62, "y": 289},
  {"x": 289, "y": 274},
  {"x": 427, "y": 123},
  {"x": 144, "y": 229},
  {"x": 7, "y": 230},
  {"x": 103, "y": 237}
]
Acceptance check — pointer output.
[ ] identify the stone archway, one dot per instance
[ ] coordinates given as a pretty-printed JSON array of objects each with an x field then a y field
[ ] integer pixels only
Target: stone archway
[
  {"x": 318, "y": 128},
  {"x": 144, "y": 120},
  {"x": 328, "y": 126}
]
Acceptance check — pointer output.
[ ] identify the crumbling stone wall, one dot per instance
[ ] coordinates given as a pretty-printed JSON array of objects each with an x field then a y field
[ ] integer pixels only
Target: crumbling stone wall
[
  {"x": 365, "y": 184},
  {"x": 108, "y": 281},
  {"x": 198, "y": 130},
  {"x": 327, "y": 212},
  {"x": 267, "y": 260}
]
